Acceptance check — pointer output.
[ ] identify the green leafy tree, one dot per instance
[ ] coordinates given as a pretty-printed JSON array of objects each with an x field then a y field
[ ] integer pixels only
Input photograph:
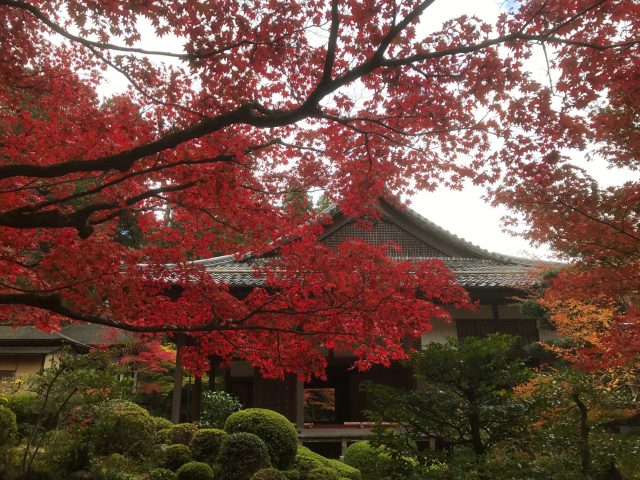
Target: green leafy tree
[{"x": 465, "y": 399}]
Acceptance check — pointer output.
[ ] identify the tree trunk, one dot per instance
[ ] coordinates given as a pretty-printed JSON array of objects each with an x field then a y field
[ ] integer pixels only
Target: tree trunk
[
  {"x": 177, "y": 380},
  {"x": 197, "y": 398},
  {"x": 585, "y": 451}
]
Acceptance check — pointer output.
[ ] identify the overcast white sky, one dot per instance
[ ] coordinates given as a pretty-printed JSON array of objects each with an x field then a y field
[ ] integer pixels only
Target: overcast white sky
[{"x": 464, "y": 213}]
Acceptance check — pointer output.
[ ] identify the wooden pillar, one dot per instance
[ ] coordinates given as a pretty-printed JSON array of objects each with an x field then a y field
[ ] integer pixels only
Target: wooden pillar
[
  {"x": 197, "y": 398},
  {"x": 299, "y": 406},
  {"x": 177, "y": 380}
]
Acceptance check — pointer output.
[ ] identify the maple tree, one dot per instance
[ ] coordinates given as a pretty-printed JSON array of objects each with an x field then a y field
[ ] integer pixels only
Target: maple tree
[
  {"x": 593, "y": 300},
  {"x": 104, "y": 202}
]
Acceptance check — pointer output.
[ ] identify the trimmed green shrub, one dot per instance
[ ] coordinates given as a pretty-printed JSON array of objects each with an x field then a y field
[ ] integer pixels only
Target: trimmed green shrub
[
  {"x": 123, "y": 427},
  {"x": 344, "y": 470},
  {"x": 162, "y": 436},
  {"x": 323, "y": 473},
  {"x": 274, "y": 429},
  {"x": 291, "y": 474},
  {"x": 307, "y": 460},
  {"x": 268, "y": 474},
  {"x": 182, "y": 433},
  {"x": 194, "y": 471},
  {"x": 8, "y": 428},
  {"x": 160, "y": 423},
  {"x": 216, "y": 408},
  {"x": 205, "y": 444},
  {"x": 26, "y": 406},
  {"x": 241, "y": 455},
  {"x": 371, "y": 461},
  {"x": 161, "y": 474},
  {"x": 176, "y": 456}
]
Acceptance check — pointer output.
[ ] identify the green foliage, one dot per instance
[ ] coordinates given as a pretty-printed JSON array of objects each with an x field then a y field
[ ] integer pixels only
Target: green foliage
[
  {"x": 66, "y": 452},
  {"x": 177, "y": 455},
  {"x": 216, "y": 407},
  {"x": 344, "y": 470},
  {"x": 322, "y": 473},
  {"x": 161, "y": 474},
  {"x": 8, "y": 428},
  {"x": 307, "y": 460},
  {"x": 161, "y": 423},
  {"x": 206, "y": 443},
  {"x": 370, "y": 461},
  {"x": 194, "y": 471},
  {"x": 26, "y": 407},
  {"x": 269, "y": 474},
  {"x": 291, "y": 474},
  {"x": 123, "y": 427},
  {"x": 274, "y": 429},
  {"x": 466, "y": 399},
  {"x": 182, "y": 433},
  {"x": 241, "y": 455},
  {"x": 162, "y": 436}
]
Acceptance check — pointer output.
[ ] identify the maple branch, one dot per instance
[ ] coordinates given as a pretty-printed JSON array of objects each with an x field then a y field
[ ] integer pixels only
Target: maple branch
[
  {"x": 331, "y": 44},
  {"x": 79, "y": 219},
  {"x": 120, "y": 48},
  {"x": 54, "y": 304}
]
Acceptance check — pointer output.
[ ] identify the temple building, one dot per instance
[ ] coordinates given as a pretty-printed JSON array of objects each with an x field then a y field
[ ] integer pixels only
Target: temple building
[{"x": 332, "y": 409}]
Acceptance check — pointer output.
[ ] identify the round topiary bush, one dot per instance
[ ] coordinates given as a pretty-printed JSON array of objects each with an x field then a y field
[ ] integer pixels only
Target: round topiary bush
[
  {"x": 194, "y": 471},
  {"x": 182, "y": 433},
  {"x": 161, "y": 474},
  {"x": 371, "y": 461},
  {"x": 8, "y": 428},
  {"x": 323, "y": 473},
  {"x": 274, "y": 429},
  {"x": 241, "y": 455},
  {"x": 268, "y": 474},
  {"x": 123, "y": 427},
  {"x": 205, "y": 444},
  {"x": 160, "y": 423},
  {"x": 307, "y": 460},
  {"x": 176, "y": 456},
  {"x": 344, "y": 470},
  {"x": 162, "y": 436}
]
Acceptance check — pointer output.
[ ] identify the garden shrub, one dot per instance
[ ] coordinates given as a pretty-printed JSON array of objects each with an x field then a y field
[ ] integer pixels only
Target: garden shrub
[
  {"x": 274, "y": 429},
  {"x": 307, "y": 460},
  {"x": 194, "y": 471},
  {"x": 177, "y": 455},
  {"x": 182, "y": 433},
  {"x": 123, "y": 427},
  {"x": 268, "y": 474},
  {"x": 162, "y": 436},
  {"x": 160, "y": 423},
  {"x": 161, "y": 474},
  {"x": 323, "y": 473},
  {"x": 205, "y": 444},
  {"x": 216, "y": 408},
  {"x": 26, "y": 406},
  {"x": 8, "y": 428},
  {"x": 371, "y": 461},
  {"x": 291, "y": 474},
  {"x": 241, "y": 455},
  {"x": 344, "y": 470}
]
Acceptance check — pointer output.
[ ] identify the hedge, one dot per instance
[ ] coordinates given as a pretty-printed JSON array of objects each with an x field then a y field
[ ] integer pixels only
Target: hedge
[
  {"x": 241, "y": 455},
  {"x": 194, "y": 471},
  {"x": 274, "y": 429}
]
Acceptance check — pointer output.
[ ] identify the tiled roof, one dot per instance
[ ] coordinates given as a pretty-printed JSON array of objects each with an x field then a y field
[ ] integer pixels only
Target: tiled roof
[
  {"x": 476, "y": 268},
  {"x": 470, "y": 272}
]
